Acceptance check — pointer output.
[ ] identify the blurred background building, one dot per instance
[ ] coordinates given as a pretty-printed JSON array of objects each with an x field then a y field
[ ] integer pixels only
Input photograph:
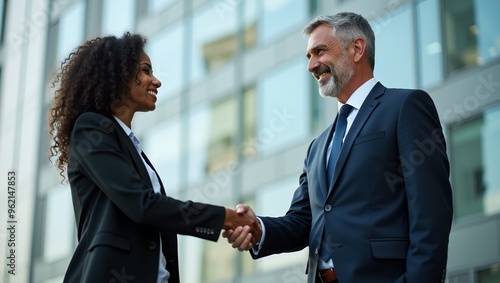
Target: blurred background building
[{"x": 237, "y": 111}]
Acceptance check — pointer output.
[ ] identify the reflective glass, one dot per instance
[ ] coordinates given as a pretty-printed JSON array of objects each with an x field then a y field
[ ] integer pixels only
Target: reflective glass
[
  {"x": 166, "y": 51},
  {"x": 154, "y": 6},
  {"x": 274, "y": 199},
  {"x": 57, "y": 279},
  {"x": 429, "y": 43},
  {"x": 474, "y": 163},
  {"x": 2, "y": 18},
  {"x": 214, "y": 40},
  {"x": 59, "y": 234},
  {"x": 280, "y": 17},
  {"x": 491, "y": 275},
  {"x": 251, "y": 22},
  {"x": 249, "y": 147},
  {"x": 460, "y": 34},
  {"x": 118, "y": 16},
  {"x": 71, "y": 28},
  {"x": 162, "y": 145},
  {"x": 212, "y": 138},
  {"x": 488, "y": 21},
  {"x": 283, "y": 105},
  {"x": 199, "y": 132},
  {"x": 472, "y": 35},
  {"x": 395, "y": 48}
]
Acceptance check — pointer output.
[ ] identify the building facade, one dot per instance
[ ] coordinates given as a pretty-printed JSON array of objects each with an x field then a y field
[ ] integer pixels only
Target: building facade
[{"x": 236, "y": 113}]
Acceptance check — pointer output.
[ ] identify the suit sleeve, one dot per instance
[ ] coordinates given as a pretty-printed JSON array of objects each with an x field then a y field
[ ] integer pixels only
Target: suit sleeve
[
  {"x": 289, "y": 233},
  {"x": 98, "y": 155},
  {"x": 425, "y": 169}
]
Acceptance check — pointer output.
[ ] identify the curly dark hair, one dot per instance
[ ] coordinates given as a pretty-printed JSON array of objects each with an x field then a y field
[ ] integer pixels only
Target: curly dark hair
[{"x": 93, "y": 78}]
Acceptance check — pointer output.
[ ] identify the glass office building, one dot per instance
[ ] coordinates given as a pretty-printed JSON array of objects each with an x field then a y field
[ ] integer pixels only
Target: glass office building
[{"x": 237, "y": 111}]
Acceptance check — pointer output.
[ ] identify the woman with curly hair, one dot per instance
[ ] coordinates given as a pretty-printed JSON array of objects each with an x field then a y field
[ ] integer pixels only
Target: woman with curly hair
[{"x": 127, "y": 226}]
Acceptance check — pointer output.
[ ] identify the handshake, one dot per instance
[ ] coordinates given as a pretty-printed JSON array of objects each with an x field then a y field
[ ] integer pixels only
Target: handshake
[{"x": 242, "y": 228}]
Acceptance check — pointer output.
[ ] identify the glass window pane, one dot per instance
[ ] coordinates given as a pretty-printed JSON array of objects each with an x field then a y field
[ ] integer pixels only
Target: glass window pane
[
  {"x": 59, "y": 233},
  {"x": 274, "y": 200},
  {"x": 222, "y": 136},
  {"x": 491, "y": 275},
  {"x": 461, "y": 34},
  {"x": 155, "y": 6},
  {"x": 395, "y": 63},
  {"x": 3, "y": 7},
  {"x": 249, "y": 148},
  {"x": 474, "y": 163},
  {"x": 488, "y": 21},
  {"x": 429, "y": 43},
  {"x": 219, "y": 262},
  {"x": 283, "y": 104},
  {"x": 490, "y": 137},
  {"x": 166, "y": 51},
  {"x": 162, "y": 145},
  {"x": 71, "y": 28},
  {"x": 462, "y": 278},
  {"x": 251, "y": 22},
  {"x": 199, "y": 132},
  {"x": 118, "y": 16},
  {"x": 57, "y": 279},
  {"x": 472, "y": 36},
  {"x": 212, "y": 138},
  {"x": 280, "y": 17},
  {"x": 214, "y": 41}
]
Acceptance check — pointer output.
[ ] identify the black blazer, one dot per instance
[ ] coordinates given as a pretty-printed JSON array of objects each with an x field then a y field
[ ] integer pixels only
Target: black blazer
[
  {"x": 388, "y": 212},
  {"x": 119, "y": 216}
]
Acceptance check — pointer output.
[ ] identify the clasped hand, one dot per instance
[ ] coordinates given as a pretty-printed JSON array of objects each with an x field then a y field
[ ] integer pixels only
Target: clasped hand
[{"x": 242, "y": 228}]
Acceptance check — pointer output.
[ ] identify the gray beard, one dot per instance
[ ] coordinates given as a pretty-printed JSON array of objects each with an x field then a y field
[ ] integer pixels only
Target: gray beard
[
  {"x": 330, "y": 89},
  {"x": 337, "y": 81}
]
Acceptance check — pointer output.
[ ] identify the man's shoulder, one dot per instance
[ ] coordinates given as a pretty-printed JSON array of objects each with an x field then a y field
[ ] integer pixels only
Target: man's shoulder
[
  {"x": 403, "y": 91},
  {"x": 402, "y": 94}
]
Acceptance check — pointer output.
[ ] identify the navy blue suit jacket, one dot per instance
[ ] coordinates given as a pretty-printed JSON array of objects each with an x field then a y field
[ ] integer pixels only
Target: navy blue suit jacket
[{"x": 388, "y": 212}]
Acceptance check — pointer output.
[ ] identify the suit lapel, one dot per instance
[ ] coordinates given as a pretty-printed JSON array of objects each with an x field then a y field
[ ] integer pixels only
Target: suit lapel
[
  {"x": 136, "y": 158},
  {"x": 325, "y": 142},
  {"x": 365, "y": 111},
  {"x": 152, "y": 167}
]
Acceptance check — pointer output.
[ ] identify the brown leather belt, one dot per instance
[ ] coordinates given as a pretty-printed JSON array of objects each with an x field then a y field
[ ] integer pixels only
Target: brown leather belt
[{"x": 327, "y": 275}]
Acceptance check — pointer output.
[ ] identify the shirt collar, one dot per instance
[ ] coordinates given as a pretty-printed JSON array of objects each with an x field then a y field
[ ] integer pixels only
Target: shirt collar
[
  {"x": 358, "y": 97},
  {"x": 127, "y": 130}
]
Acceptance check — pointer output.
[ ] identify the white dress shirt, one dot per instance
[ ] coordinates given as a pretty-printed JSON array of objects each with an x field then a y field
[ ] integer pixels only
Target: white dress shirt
[{"x": 163, "y": 273}]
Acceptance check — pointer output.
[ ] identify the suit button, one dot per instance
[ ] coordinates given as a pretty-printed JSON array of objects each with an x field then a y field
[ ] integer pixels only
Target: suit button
[
  {"x": 152, "y": 245},
  {"x": 328, "y": 207}
]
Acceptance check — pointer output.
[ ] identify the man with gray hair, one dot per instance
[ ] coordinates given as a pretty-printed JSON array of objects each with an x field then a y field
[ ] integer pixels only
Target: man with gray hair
[{"x": 374, "y": 201}]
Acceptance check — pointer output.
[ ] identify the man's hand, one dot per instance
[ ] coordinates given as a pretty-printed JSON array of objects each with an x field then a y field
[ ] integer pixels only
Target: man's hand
[{"x": 244, "y": 237}]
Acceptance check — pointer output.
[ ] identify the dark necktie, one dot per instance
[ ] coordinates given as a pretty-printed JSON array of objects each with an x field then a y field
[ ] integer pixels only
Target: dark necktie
[{"x": 338, "y": 136}]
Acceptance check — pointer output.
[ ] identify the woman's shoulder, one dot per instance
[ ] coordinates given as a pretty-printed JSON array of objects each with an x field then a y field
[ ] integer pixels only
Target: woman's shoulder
[{"x": 95, "y": 120}]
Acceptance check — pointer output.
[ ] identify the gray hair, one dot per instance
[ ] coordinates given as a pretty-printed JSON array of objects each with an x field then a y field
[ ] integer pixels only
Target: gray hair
[{"x": 346, "y": 27}]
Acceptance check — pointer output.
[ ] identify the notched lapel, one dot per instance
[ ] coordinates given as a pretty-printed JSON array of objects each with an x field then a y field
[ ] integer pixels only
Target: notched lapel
[
  {"x": 136, "y": 158},
  {"x": 323, "y": 152},
  {"x": 364, "y": 113}
]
